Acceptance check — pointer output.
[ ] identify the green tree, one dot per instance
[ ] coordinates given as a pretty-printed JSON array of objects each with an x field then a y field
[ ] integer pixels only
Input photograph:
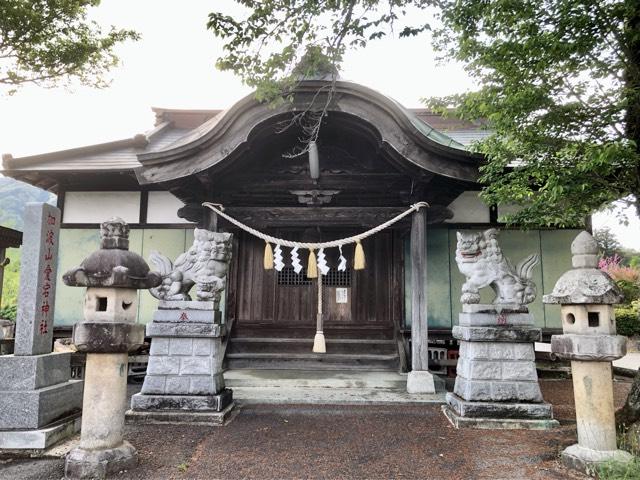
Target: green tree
[
  {"x": 607, "y": 242},
  {"x": 559, "y": 84},
  {"x": 52, "y": 42}
]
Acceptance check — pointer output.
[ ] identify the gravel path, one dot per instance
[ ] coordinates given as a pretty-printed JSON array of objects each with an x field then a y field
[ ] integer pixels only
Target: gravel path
[{"x": 351, "y": 442}]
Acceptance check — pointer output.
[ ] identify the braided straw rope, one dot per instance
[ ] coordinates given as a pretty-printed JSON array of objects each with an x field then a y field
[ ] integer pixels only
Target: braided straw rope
[{"x": 218, "y": 209}]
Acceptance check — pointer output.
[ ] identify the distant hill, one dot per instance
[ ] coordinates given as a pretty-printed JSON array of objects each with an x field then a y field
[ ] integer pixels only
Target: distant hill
[{"x": 14, "y": 195}]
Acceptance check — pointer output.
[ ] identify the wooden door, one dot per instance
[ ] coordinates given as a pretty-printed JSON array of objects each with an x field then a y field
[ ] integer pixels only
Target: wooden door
[{"x": 286, "y": 299}]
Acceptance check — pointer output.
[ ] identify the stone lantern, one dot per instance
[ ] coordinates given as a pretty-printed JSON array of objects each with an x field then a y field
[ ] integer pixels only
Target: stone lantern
[
  {"x": 587, "y": 295},
  {"x": 112, "y": 276}
]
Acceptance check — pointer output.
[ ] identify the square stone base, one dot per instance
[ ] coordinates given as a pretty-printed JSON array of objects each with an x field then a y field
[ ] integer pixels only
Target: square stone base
[
  {"x": 588, "y": 461},
  {"x": 34, "y": 409},
  {"x": 517, "y": 411},
  {"x": 218, "y": 419},
  {"x": 497, "y": 423},
  {"x": 423, "y": 381},
  {"x": 194, "y": 403},
  {"x": 101, "y": 463},
  {"x": 41, "y": 438}
]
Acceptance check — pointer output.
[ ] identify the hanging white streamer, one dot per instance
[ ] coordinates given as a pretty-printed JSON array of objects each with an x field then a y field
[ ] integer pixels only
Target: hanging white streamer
[
  {"x": 278, "y": 262},
  {"x": 322, "y": 262},
  {"x": 295, "y": 260},
  {"x": 342, "y": 265}
]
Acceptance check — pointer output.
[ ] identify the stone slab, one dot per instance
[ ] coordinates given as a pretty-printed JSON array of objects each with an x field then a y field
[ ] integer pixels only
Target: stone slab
[
  {"x": 187, "y": 316},
  {"x": 497, "y": 423},
  {"x": 587, "y": 460},
  {"x": 183, "y": 385},
  {"x": 496, "y": 319},
  {"x": 221, "y": 418},
  {"x": 33, "y": 409},
  {"x": 34, "y": 319},
  {"x": 597, "y": 348},
  {"x": 492, "y": 308},
  {"x": 101, "y": 463},
  {"x": 186, "y": 305},
  {"x": 497, "y": 369},
  {"x": 156, "y": 329},
  {"x": 33, "y": 372},
  {"x": 496, "y": 334},
  {"x": 497, "y": 351},
  {"x": 497, "y": 391},
  {"x": 421, "y": 381},
  {"x": 108, "y": 337},
  {"x": 216, "y": 403},
  {"x": 42, "y": 438},
  {"x": 498, "y": 409}
]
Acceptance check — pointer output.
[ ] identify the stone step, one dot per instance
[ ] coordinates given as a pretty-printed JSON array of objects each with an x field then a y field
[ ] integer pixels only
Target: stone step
[
  {"x": 320, "y": 361},
  {"x": 379, "y": 333},
  {"x": 330, "y": 396},
  {"x": 305, "y": 345},
  {"x": 383, "y": 380}
]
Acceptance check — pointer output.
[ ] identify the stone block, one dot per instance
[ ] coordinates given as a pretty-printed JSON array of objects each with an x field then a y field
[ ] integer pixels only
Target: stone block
[
  {"x": 107, "y": 337},
  {"x": 480, "y": 369},
  {"x": 160, "y": 365},
  {"x": 153, "y": 384},
  {"x": 495, "y": 319},
  {"x": 37, "y": 408},
  {"x": 41, "y": 438},
  {"x": 177, "y": 385},
  {"x": 101, "y": 463},
  {"x": 484, "y": 423},
  {"x": 180, "y": 346},
  {"x": 202, "y": 346},
  {"x": 185, "y": 305},
  {"x": 156, "y": 329},
  {"x": 172, "y": 417},
  {"x": 492, "y": 308},
  {"x": 588, "y": 461},
  {"x": 498, "y": 409},
  {"x": 524, "y": 351},
  {"x": 196, "y": 366},
  {"x": 496, "y": 334},
  {"x": 421, "y": 381},
  {"x": 34, "y": 372},
  {"x": 159, "y": 346},
  {"x": 519, "y": 371},
  {"x": 216, "y": 403},
  {"x": 187, "y": 316},
  {"x": 34, "y": 327},
  {"x": 206, "y": 384},
  {"x": 599, "y": 348},
  {"x": 497, "y": 391}
]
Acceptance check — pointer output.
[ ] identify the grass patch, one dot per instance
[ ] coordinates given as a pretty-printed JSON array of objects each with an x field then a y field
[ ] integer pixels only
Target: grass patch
[{"x": 616, "y": 470}]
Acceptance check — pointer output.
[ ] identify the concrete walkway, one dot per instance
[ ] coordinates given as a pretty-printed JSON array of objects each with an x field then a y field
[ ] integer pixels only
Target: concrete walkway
[{"x": 323, "y": 387}]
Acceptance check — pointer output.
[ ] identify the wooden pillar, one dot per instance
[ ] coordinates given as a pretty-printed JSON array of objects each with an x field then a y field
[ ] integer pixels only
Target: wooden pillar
[
  {"x": 3, "y": 263},
  {"x": 419, "y": 329}
]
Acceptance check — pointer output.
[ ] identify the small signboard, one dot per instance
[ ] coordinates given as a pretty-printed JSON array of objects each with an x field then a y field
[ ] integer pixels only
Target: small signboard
[{"x": 342, "y": 295}]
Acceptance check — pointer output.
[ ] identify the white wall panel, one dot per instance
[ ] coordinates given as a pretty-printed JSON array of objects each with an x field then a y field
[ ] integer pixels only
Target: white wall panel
[
  {"x": 163, "y": 208},
  {"x": 96, "y": 207},
  {"x": 469, "y": 208}
]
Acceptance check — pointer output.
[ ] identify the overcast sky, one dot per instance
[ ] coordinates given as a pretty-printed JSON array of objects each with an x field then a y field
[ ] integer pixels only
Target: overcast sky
[{"x": 173, "y": 66}]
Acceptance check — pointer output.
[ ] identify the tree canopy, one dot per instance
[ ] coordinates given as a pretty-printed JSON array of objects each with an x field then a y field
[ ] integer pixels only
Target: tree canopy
[
  {"x": 52, "y": 42},
  {"x": 559, "y": 84}
]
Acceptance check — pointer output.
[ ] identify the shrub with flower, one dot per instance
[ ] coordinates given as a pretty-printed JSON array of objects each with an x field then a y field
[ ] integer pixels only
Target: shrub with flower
[{"x": 628, "y": 279}]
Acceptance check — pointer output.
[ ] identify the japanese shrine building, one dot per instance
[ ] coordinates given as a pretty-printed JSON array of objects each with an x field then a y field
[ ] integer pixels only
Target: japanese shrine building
[{"x": 376, "y": 159}]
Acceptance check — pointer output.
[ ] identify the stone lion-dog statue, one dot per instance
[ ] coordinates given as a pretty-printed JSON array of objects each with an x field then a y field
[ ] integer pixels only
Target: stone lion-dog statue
[{"x": 481, "y": 261}]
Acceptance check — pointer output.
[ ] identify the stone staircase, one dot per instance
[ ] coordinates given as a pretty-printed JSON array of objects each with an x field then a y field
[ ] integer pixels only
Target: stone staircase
[
  {"x": 325, "y": 387},
  {"x": 373, "y": 352}
]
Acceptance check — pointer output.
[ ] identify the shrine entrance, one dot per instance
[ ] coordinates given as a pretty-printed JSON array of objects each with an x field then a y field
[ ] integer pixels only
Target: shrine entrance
[{"x": 374, "y": 161}]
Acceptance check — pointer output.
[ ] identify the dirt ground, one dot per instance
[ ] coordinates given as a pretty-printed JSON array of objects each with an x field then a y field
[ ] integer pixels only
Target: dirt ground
[{"x": 329, "y": 442}]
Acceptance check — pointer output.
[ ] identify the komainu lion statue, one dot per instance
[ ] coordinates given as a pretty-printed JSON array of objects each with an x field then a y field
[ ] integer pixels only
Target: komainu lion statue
[
  {"x": 480, "y": 259},
  {"x": 204, "y": 265}
]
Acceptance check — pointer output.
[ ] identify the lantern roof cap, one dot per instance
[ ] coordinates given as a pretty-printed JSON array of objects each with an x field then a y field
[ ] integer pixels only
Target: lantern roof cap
[
  {"x": 584, "y": 283},
  {"x": 113, "y": 265}
]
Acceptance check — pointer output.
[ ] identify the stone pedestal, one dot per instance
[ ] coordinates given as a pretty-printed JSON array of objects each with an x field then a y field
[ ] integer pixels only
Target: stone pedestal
[
  {"x": 39, "y": 403},
  {"x": 102, "y": 450},
  {"x": 184, "y": 381},
  {"x": 497, "y": 384}
]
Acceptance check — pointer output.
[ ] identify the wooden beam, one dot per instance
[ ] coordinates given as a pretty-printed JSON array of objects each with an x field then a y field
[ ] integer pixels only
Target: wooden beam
[
  {"x": 261, "y": 217},
  {"x": 419, "y": 330}
]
